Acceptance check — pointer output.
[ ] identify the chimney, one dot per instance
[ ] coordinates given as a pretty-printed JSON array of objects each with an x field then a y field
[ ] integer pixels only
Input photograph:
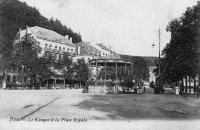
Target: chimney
[
  {"x": 70, "y": 39},
  {"x": 27, "y": 28},
  {"x": 78, "y": 50},
  {"x": 67, "y": 36}
]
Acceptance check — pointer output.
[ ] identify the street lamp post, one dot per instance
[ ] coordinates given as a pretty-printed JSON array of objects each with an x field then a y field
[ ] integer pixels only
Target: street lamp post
[
  {"x": 153, "y": 45},
  {"x": 159, "y": 51}
]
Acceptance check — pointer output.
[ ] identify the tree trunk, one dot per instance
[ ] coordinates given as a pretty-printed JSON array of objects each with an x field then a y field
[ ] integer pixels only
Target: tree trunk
[
  {"x": 181, "y": 86},
  {"x": 186, "y": 87},
  {"x": 40, "y": 83},
  {"x": 64, "y": 83},
  {"x": 47, "y": 83},
  {"x": 199, "y": 80},
  {"x": 4, "y": 80},
  {"x": 25, "y": 82},
  {"x": 194, "y": 84},
  {"x": 31, "y": 82},
  {"x": 189, "y": 84}
]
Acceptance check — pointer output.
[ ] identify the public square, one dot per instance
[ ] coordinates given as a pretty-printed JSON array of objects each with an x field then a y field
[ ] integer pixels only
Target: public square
[
  {"x": 33, "y": 109},
  {"x": 72, "y": 103}
]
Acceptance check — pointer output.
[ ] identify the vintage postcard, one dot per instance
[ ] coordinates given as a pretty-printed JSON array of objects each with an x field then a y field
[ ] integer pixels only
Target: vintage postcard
[{"x": 99, "y": 64}]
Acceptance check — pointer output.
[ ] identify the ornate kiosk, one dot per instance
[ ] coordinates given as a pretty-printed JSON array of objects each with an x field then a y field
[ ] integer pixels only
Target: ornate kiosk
[{"x": 100, "y": 70}]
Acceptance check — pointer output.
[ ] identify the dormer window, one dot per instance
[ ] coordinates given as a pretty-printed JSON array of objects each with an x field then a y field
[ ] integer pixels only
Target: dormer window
[
  {"x": 63, "y": 48},
  {"x": 60, "y": 48},
  {"x": 56, "y": 47}
]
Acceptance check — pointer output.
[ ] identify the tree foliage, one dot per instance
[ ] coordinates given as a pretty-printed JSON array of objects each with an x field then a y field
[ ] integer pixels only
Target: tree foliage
[
  {"x": 36, "y": 67},
  {"x": 181, "y": 55},
  {"x": 81, "y": 70},
  {"x": 140, "y": 68},
  {"x": 16, "y": 15},
  {"x": 19, "y": 15},
  {"x": 150, "y": 60},
  {"x": 65, "y": 64},
  {"x": 26, "y": 60},
  {"x": 110, "y": 72}
]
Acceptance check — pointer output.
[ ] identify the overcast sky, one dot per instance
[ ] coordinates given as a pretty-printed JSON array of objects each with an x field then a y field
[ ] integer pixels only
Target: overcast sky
[{"x": 129, "y": 26}]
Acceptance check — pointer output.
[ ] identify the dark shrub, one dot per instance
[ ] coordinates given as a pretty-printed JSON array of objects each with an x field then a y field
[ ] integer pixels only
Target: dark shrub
[{"x": 151, "y": 85}]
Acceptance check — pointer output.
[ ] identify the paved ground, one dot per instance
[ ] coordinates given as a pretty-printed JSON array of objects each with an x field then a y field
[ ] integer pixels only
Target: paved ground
[{"x": 63, "y": 105}]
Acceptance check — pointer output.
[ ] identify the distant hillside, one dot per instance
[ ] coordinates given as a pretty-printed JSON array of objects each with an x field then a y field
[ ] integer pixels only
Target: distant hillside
[
  {"x": 149, "y": 59},
  {"x": 140, "y": 67},
  {"x": 19, "y": 15}
]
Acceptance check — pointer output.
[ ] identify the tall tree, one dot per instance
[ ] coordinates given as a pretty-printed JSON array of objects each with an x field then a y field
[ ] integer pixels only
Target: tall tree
[
  {"x": 65, "y": 64},
  {"x": 16, "y": 15},
  {"x": 81, "y": 70},
  {"x": 181, "y": 55},
  {"x": 26, "y": 56},
  {"x": 140, "y": 67}
]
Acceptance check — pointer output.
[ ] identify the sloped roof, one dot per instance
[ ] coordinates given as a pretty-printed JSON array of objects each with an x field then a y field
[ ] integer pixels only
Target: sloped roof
[
  {"x": 113, "y": 56},
  {"x": 49, "y": 35},
  {"x": 102, "y": 46},
  {"x": 81, "y": 43},
  {"x": 86, "y": 43}
]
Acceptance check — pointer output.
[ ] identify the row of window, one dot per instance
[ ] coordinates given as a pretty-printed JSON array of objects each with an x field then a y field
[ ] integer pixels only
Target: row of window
[
  {"x": 105, "y": 54},
  {"x": 56, "y": 47},
  {"x": 84, "y": 59},
  {"x": 93, "y": 51}
]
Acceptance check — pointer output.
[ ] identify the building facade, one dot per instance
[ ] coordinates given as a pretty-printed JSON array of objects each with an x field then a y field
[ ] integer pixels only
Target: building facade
[
  {"x": 50, "y": 40},
  {"x": 105, "y": 51},
  {"x": 88, "y": 51},
  {"x": 53, "y": 42},
  {"x": 85, "y": 51}
]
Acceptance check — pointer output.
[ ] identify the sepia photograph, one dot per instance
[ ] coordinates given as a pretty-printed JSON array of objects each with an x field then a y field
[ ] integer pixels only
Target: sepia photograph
[{"x": 99, "y": 65}]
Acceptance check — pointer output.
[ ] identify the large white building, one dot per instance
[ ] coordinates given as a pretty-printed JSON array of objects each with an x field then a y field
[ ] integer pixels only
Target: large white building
[
  {"x": 54, "y": 42},
  {"x": 90, "y": 50},
  {"x": 105, "y": 51},
  {"x": 50, "y": 40}
]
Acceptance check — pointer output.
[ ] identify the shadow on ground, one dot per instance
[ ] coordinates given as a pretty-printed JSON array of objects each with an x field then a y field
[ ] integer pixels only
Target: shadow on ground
[{"x": 145, "y": 106}]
